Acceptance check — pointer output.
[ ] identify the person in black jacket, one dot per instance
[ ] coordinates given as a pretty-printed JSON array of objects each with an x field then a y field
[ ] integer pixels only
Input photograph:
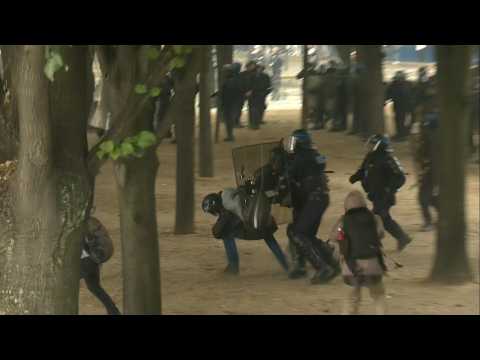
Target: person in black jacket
[
  {"x": 400, "y": 93},
  {"x": 97, "y": 249},
  {"x": 261, "y": 87},
  {"x": 310, "y": 199},
  {"x": 229, "y": 97},
  {"x": 382, "y": 176},
  {"x": 230, "y": 227},
  {"x": 246, "y": 84}
]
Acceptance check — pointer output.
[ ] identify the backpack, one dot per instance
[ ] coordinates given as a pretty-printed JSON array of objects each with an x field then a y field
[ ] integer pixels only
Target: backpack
[{"x": 98, "y": 243}]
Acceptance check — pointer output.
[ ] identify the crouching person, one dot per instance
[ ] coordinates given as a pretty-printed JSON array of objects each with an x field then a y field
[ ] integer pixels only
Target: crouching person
[
  {"x": 230, "y": 227},
  {"x": 97, "y": 249},
  {"x": 358, "y": 237}
]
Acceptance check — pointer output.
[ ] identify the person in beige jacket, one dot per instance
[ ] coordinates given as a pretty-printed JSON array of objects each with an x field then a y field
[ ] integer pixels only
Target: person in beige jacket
[{"x": 357, "y": 238}]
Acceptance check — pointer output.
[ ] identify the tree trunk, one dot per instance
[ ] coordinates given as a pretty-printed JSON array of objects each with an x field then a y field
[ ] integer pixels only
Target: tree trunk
[
  {"x": 139, "y": 233},
  {"x": 372, "y": 101},
  {"x": 224, "y": 57},
  {"x": 451, "y": 262},
  {"x": 30, "y": 278},
  {"x": 8, "y": 106},
  {"x": 305, "y": 105},
  {"x": 185, "y": 131},
  {"x": 135, "y": 178},
  {"x": 41, "y": 274},
  {"x": 205, "y": 137},
  {"x": 70, "y": 99}
]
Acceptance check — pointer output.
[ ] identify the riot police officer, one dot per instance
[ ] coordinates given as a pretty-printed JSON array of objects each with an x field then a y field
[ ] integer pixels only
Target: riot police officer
[
  {"x": 425, "y": 143},
  {"x": 382, "y": 176},
  {"x": 310, "y": 199}
]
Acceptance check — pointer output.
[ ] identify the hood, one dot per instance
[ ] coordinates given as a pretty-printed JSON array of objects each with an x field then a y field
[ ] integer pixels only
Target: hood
[{"x": 354, "y": 200}]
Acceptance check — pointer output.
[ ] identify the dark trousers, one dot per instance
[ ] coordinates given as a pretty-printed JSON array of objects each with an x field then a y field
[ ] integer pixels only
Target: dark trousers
[
  {"x": 319, "y": 117},
  {"x": 238, "y": 110},
  {"x": 400, "y": 116},
  {"x": 381, "y": 207},
  {"x": 427, "y": 197},
  {"x": 256, "y": 109},
  {"x": 302, "y": 233},
  {"x": 340, "y": 121},
  {"x": 90, "y": 272},
  {"x": 229, "y": 114},
  {"x": 234, "y": 259}
]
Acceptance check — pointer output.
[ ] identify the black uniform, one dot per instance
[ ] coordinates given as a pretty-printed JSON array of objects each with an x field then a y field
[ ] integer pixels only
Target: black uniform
[
  {"x": 90, "y": 272},
  {"x": 246, "y": 85},
  {"x": 382, "y": 176},
  {"x": 341, "y": 104},
  {"x": 399, "y": 92},
  {"x": 229, "y": 98},
  {"x": 310, "y": 200},
  {"x": 426, "y": 149},
  {"x": 261, "y": 87}
]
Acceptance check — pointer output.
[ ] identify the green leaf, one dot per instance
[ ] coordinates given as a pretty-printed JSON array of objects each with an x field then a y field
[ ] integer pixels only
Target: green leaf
[
  {"x": 187, "y": 49},
  {"x": 107, "y": 146},
  {"x": 101, "y": 154},
  {"x": 153, "y": 53},
  {"x": 155, "y": 92},
  {"x": 127, "y": 149},
  {"x": 141, "y": 89},
  {"x": 116, "y": 153},
  {"x": 146, "y": 139},
  {"x": 54, "y": 63},
  {"x": 130, "y": 140}
]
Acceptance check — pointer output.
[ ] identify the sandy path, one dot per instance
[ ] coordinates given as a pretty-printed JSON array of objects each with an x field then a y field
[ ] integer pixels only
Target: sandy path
[{"x": 192, "y": 278}]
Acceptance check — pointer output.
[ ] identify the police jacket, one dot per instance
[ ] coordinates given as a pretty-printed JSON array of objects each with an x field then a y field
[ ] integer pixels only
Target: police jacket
[
  {"x": 261, "y": 86},
  {"x": 380, "y": 174},
  {"x": 230, "y": 92},
  {"x": 229, "y": 224},
  {"x": 306, "y": 172},
  {"x": 246, "y": 81},
  {"x": 399, "y": 92}
]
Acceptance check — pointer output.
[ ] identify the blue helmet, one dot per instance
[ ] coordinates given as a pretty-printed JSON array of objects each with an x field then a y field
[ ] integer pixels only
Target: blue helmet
[
  {"x": 379, "y": 142},
  {"x": 300, "y": 139}
]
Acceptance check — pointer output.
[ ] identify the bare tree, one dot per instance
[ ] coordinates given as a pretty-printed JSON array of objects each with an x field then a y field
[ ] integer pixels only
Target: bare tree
[
  {"x": 372, "y": 91},
  {"x": 40, "y": 272},
  {"x": 224, "y": 57},
  {"x": 451, "y": 261},
  {"x": 205, "y": 137},
  {"x": 184, "y": 113}
]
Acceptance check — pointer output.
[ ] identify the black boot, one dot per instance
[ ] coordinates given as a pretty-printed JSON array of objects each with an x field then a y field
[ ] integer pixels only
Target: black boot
[
  {"x": 298, "y": 269},
  {"x": 325, "y": 275}
]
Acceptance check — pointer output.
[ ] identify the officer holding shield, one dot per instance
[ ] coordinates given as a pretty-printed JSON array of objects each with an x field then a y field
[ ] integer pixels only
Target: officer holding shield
[{"x": 305, "y": 173}]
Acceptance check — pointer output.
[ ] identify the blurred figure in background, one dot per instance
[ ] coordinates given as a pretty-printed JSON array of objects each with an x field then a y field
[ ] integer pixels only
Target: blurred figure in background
[{"x": 400, "y": 93}]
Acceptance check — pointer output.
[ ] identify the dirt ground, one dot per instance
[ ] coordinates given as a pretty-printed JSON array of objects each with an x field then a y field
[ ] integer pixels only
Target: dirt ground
[{"x": 192, "y": 266}]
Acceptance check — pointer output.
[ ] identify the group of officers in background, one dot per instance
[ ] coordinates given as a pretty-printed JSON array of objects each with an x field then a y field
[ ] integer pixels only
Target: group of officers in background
[
  {"x": 238, "y": 87},
  {"x": 334, "y": 92}
]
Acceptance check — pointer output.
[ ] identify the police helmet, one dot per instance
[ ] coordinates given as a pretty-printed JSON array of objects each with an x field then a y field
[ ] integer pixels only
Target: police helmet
[
  {"x": 300, "y": 139},
  {"x": 379, "y": 142},
  {"x": 212, "y": 204}
]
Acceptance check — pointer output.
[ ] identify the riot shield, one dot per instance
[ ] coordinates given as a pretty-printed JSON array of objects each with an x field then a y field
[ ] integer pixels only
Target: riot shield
[{"x": 246, "y": 161}]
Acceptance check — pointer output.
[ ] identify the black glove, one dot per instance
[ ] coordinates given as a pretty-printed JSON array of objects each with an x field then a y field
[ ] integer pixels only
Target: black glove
[{"x": 354, "y": 178}]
